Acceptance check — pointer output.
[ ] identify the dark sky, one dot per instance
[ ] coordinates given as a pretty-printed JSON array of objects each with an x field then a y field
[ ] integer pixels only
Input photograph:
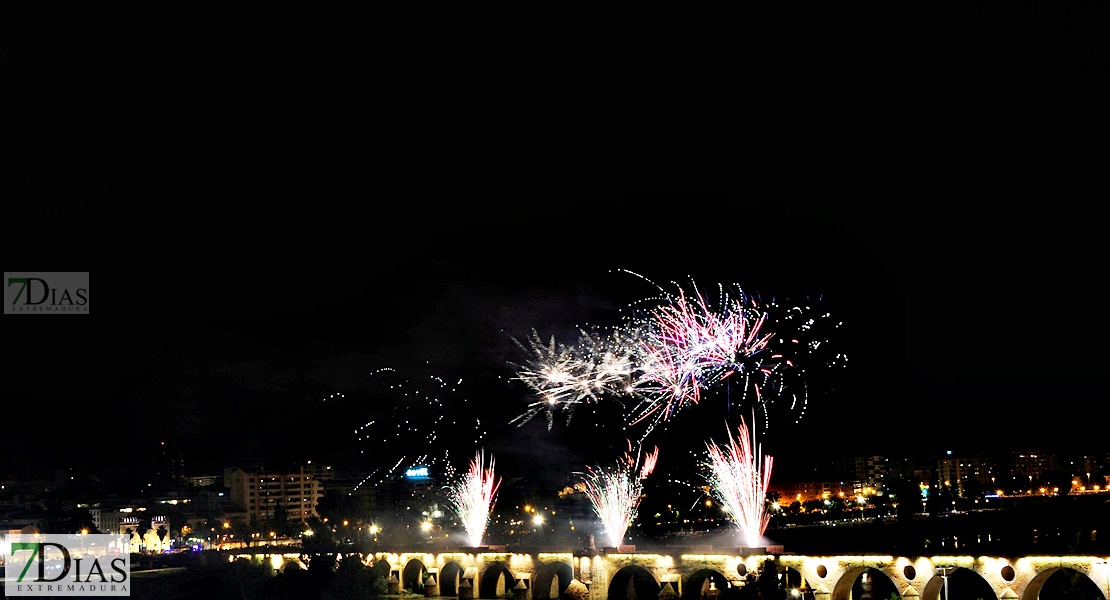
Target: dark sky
[
  {"x": 268, "y": 227},
  {"x": 962, "y": 328}
]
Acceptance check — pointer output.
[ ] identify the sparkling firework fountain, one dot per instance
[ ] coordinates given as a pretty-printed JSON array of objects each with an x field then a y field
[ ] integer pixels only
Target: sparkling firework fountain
[
  {"x": 615, "y": 492},
  {"x": 739, "y": 483},
  {"x": 473, "y": 496}
]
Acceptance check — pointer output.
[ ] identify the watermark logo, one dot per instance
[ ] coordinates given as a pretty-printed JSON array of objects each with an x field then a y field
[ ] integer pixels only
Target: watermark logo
[
  {"x": 58, "y": 565},
  {"x": 38, "y": 293}
]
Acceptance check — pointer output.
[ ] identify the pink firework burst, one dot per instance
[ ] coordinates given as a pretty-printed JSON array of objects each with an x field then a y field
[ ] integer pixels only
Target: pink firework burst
[{"x": 689, "y": 346}]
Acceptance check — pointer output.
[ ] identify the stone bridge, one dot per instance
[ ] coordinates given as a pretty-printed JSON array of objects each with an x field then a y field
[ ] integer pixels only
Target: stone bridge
[{"x": 536, "y": 575}]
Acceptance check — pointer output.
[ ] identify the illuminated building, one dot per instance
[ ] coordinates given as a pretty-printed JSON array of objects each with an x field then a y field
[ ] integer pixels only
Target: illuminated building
[{"x": 260, "y": 492}]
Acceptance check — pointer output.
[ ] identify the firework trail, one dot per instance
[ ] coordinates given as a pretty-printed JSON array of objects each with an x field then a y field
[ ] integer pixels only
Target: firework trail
[
  {"x": 615, "y": 492},
  {"x": 422, "y": 411},
  {"x": 739, "y": 482},
  {"x": 472, "y": 497}
]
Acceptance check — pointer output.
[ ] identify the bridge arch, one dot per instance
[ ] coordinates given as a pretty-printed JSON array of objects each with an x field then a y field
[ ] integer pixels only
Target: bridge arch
[
  {"x": 292, "y": 563},
  {"x": 968, "y": 582},
  {"x": 496, "y": 580},
  {"x": 380, "y": 568},
  {"x": 413, "y": 576},
  {"x": 551, "y": 580},
  {"x": 700, "y": 581},
  {"x": 873, "y": 584},
  {"x": 449, "y": 576},
  {"x": 842, "y": 589},
  {"x": 642, "y": 583},
  {"x": 795, "y": 582},
  {"x": 1083, "y": 584}
]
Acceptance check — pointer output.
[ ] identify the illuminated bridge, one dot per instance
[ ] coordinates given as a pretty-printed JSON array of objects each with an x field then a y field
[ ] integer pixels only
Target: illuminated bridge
[{"x": 704, "y": 573}]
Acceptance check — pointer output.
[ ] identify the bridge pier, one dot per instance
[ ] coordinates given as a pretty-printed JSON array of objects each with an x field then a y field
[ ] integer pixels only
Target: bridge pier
[
  {"x": 466, "y": 591},
  {"x": 521, "y": 591},
  {"x": 595, "y": 576}
]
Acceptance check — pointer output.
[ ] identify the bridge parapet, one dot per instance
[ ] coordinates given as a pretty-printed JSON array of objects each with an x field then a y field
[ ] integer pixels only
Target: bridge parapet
[{"x": 537, "y": 575}]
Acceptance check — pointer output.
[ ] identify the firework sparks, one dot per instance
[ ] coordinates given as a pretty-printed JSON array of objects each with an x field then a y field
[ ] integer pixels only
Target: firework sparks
[
  {"x": 673, "y": 348},
  {"x": 615, "y": 492},
  {"x": 565, "y": 376},
  {"x": 689, "y": 347},
  {"x": 473, "y": 496},
  {"x": 390, "y": 430},
  {"x": 739, "y": 482}
]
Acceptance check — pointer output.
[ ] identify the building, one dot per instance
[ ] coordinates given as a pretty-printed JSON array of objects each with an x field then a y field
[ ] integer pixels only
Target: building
[
  {"x": 795, "y": 491},
  {"x": 1030, "y": 465},
  {"x": 320, "y": 472},
  {"x": 969, "y": 475},
  {"x": 157, "y": 537},
  {"x": 869, "y": 471},
  {"x": 20, "y": 528},
  {"x": 202, "y": 480},
  {"x": 107, "y": 520},
  {"x": 844, "y": 490},
  {"x": 169, "y": 466},
  {"x": 259, "y": 493}
]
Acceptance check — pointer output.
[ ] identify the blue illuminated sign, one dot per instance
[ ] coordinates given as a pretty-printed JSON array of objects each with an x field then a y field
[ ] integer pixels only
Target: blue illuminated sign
[{"x": 417, "y": 473}]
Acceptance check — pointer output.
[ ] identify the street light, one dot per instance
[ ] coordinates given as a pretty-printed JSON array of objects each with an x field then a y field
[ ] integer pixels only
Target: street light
[{"x": 943, "y": 572}]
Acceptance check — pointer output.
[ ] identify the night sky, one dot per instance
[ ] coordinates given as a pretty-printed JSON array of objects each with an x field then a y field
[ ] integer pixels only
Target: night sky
[
  {"x": 264, "y": 234},
  {"x": 961, "y": 330}
]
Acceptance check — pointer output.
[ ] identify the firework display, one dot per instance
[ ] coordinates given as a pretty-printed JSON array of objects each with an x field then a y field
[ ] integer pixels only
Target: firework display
[
  {"x": 679, "y": 348},
  {"x": 615, "y": 491},
  {"x": 738, "y": 478},
  {"x": 418, "y": 419},
  {"x": 688, "y": 346},
  {"x": 473, "y": 496},
  {"x": 600, "y": 365},
  {"x": 674, "y": 346}
]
